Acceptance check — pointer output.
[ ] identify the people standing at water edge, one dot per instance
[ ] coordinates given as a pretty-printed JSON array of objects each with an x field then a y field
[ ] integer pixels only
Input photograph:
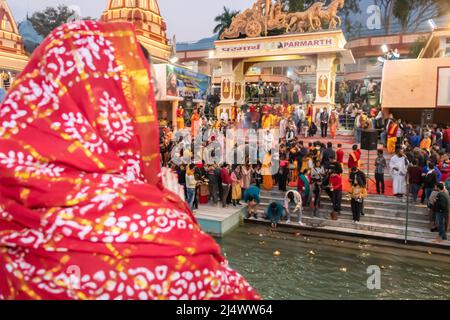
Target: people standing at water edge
[
  {"x": 441, "y": 210},
  {"x": 236, "y": 186},
  {"x": 336, "y": 188},
  {"x": 226, "y": 184},
  {"x": 317, "y": 176},
  {"x": 357, "y": 194}
]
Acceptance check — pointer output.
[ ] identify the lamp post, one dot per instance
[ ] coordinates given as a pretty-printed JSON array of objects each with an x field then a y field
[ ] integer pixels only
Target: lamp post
[{"x": 407, "y": 206}]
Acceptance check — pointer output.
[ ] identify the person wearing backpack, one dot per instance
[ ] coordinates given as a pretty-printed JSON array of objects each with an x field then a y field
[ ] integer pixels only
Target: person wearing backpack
[{"x": 441, "y": 210}]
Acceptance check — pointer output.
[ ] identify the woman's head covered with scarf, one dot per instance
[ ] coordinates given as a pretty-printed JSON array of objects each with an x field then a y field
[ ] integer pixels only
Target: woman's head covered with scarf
[{"x": 80, "y": 183}]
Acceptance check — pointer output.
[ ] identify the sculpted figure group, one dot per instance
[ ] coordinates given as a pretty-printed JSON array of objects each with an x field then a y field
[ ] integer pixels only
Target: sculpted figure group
[{"x": 266, "y": 15}]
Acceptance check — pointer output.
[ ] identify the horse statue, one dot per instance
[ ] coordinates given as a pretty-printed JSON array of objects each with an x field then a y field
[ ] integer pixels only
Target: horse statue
[
  {"x": 330, "y": 15},
  {"x": 239, "y": 23},
  {"x": 307, "y": 20},
  {"x": 277, "y": 18}
]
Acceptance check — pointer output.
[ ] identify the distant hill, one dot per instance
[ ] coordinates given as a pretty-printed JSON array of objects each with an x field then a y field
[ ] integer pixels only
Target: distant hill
[{"x": 30, "y": 36}]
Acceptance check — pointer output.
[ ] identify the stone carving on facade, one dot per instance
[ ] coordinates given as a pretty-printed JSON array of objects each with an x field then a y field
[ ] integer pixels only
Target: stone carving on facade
[{"x": 266, "y": 15}]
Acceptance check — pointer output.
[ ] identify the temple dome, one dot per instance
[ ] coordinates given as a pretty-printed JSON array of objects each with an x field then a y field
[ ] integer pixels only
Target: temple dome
[
  {"x": 150, "y": 26},
  {"x": 12, "y": 53}
]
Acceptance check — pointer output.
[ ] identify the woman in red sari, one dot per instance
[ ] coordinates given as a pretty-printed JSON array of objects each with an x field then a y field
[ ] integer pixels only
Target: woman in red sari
[{"x": 83, "y": 210}]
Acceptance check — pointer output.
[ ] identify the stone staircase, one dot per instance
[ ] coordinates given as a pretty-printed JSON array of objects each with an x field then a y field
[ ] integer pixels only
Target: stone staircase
[
  {"x": 348, "y": 140},
  {"x": 385, "y": 218}
]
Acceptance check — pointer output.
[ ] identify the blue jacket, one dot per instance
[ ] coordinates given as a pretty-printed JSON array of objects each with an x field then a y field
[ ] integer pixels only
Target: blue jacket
[
  {"x": 254, "y": 192},
  {"x": 436, "y": 169},
  {"x": 275, "y": 214}
]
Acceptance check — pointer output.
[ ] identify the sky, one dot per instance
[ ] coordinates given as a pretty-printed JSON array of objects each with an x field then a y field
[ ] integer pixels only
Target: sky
[{"x": 188, "y": 20}]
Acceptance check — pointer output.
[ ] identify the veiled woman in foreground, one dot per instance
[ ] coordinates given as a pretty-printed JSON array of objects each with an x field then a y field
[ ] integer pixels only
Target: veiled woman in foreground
[{"x": 83, "y": 210}]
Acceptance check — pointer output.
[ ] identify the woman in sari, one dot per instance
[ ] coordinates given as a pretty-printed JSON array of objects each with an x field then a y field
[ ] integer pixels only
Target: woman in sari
[
  {"x": 85, "y": 210},
  {"x": 236, "y": 186},
  {"x": 293, "y": 171},
  {"x": 266, "y": 171}
]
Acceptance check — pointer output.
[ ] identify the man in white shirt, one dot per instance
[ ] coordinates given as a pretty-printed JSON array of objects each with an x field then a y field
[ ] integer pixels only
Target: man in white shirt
[{"x": 224, "y": 115}]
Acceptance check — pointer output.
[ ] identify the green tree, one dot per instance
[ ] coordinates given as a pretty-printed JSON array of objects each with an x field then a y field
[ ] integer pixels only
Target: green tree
[
  {"x": 410, "y": 14},
  {"x": 224, "y": 20},
  {"x": 298, "y": 5},
  {"x": 417, "y": 47},
  {"x": 50, "y": 18}
]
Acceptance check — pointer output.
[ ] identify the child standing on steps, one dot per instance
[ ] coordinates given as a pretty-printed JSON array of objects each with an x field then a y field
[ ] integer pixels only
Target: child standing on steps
[{"x": 358, "y": 193}]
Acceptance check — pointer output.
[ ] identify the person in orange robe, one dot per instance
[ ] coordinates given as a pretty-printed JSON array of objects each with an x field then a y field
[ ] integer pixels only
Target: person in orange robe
[
  {"x": 425, "y": 144},
  {"x": 86, "y": 211},
  {"x": 392, "y": 137},
  {"x": 310, "y": 113},
  {"x": 234, "y": 112},
  {"x": 334, "y": 123},
  {"x": 195, "y": 123},
  {"x": 266, "y": 172},
  {"x": 354, "y": 160},
  {"x": 180, "y": 118}
]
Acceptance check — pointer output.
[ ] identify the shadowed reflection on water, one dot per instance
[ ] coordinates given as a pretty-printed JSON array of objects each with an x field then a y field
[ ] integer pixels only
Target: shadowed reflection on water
[{"x": 307, "y": 269}]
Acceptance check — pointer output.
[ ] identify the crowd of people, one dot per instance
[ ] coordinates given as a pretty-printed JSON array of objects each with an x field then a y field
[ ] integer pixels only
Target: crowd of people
[{"x": 312, "y": 168}]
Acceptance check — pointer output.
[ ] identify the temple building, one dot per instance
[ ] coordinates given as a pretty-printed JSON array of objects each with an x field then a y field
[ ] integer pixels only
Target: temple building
[
  {"x": 418, "y": 90},
  {"x": 12, "y": 54},
  {"x": 150, "y": 26}
]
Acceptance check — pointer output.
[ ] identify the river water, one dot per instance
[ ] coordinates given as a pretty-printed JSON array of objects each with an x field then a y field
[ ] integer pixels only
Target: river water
[{"x": 309, "y": 268}]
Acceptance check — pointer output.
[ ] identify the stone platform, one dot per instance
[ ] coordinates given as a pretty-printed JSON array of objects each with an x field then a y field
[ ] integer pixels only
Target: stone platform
[{"x": 218, "y": 221}]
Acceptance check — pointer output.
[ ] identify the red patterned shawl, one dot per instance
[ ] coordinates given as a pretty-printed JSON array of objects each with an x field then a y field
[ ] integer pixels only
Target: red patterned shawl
[{"x": 83, "y": 214}]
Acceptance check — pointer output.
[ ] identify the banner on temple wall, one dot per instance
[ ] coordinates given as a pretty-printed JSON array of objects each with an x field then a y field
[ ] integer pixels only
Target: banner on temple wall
[{"x": 182, "y": 82}]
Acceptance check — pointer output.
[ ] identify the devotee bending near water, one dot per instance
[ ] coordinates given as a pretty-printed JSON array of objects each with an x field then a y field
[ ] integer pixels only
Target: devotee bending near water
[
  {"x": 274, "y": 213},
  {"x": 293, "y": 205},
  {"x": 252, "y": 198},
  {"x": 81, "y": 183}
]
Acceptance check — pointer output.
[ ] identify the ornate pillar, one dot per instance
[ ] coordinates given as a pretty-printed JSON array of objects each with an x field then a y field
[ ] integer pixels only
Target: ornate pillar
[
  {"x": 325, "y": 80},
  {"x": 232, "y": 84}
]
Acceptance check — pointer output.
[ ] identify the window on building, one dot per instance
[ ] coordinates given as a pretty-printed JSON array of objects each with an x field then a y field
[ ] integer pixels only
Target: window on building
[
  {"x": 267, "y": 71},
  {"x": 143, "y": 4},
  {"x": 116, "y": 3},
  {"x": 278, "y": 71}
]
